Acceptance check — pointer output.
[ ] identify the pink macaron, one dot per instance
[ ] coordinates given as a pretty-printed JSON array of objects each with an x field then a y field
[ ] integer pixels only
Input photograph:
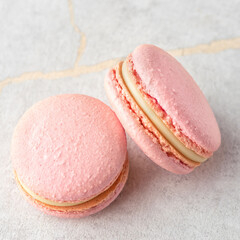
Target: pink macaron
[
  {"x": 163, "y": 110},
  {"x": 69, "y": 155}
]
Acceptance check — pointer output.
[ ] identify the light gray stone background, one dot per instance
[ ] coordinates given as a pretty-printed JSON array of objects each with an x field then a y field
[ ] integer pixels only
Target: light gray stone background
[{"x": 59, "y": 46}]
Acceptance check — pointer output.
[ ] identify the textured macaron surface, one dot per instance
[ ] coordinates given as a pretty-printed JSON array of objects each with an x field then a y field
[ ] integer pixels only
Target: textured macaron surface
[
  {"x": 139, "y": 127},
  {"x": 165, "y": 80},
  {"x": 68, "y": 148}
]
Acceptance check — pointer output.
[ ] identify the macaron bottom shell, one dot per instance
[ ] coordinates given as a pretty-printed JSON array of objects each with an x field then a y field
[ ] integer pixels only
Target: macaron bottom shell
[{"x": 87, "y": 208}]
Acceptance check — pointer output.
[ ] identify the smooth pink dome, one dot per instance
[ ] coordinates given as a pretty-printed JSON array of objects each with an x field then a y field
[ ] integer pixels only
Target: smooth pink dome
[
  {"x": 164, "y": 79},
  {"x": 68, "y": 148}
]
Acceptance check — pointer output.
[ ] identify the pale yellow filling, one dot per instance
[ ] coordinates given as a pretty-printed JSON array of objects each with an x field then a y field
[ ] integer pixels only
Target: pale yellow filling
[
  {"x": 159, "y": 124},
  {"x": 46, "y": 201}
]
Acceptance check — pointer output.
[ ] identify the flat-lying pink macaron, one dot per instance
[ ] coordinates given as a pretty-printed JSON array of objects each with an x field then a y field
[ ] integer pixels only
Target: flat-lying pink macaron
[
  {"x": 69, "y": 155},
  {"x": 163, "y": 109}
]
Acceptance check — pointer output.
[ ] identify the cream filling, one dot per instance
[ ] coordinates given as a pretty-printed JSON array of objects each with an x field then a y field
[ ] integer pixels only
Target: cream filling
[
  {"x": 159, "y": 124},
  {"x": 46, "y": 201}
]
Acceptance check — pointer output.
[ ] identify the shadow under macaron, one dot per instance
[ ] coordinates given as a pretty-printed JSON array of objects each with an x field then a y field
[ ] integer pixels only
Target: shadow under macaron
[{"x": 205, "y": 178}]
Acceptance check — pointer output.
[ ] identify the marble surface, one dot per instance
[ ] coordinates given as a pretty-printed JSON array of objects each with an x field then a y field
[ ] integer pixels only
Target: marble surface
[{"x": 60, "y": 46}]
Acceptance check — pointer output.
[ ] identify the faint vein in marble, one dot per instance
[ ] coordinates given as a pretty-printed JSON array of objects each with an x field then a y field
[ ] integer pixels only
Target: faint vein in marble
[
  {"x": 213, "y": 47},
  {"x": 73, "y": 72},
  {"x": 77, "y": 30}
]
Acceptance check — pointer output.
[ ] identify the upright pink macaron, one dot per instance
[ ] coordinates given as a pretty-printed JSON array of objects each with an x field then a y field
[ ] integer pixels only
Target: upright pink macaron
[
  {"x": 69, "y": 155},
  {"x": 163, "y": 109}
]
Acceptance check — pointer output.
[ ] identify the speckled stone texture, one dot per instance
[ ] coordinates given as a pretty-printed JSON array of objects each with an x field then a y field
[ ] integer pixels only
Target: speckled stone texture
[{"x": 40, "y": 40}]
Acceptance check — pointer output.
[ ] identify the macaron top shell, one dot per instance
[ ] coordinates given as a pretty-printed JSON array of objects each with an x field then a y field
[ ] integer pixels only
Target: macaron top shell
[
  {"x": 168, "y": 83},
  {"x": 68, "y": 148}
]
